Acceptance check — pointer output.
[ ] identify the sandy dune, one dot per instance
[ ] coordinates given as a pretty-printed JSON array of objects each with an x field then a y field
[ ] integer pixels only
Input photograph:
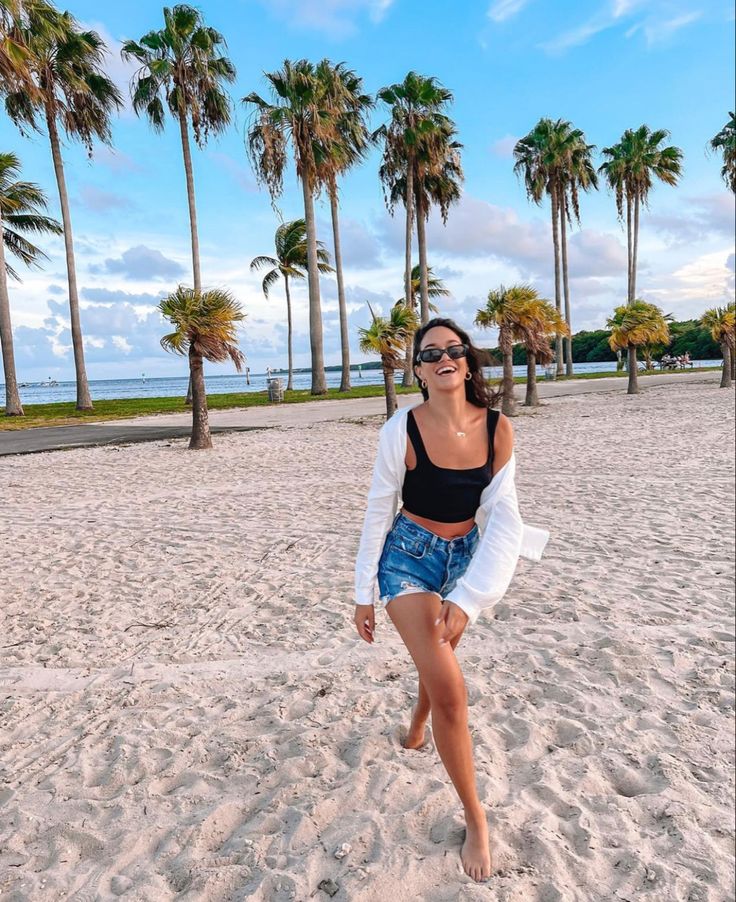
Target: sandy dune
[{"x": 187, "y": 711}]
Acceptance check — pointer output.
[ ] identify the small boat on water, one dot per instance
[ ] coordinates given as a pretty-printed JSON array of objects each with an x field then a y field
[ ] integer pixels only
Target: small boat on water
[{"x": 50, "y": 383}]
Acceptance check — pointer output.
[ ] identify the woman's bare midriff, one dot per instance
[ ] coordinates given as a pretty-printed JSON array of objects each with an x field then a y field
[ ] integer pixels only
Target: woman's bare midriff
[{"x": 443, "y": 530}]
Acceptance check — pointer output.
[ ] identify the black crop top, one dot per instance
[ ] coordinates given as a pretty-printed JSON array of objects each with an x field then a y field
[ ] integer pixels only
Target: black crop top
[{"x": 441, "y": 493}]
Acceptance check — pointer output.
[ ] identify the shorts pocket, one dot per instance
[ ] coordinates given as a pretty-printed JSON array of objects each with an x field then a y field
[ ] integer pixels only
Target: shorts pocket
[{"x": 414, "y": 547}]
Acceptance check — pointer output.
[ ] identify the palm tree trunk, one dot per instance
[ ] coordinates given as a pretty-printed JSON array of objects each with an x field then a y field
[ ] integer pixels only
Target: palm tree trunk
[
  {"x": 409, "y": 201},
  {"x": 319, "y": 384},
  {"x": 636, "y": 247},
  {"x": 388, "y": 381},
  {"x": 726, "y": 370},
  {"x": 344, "y": 341},
  {"x": 566, "y": 284},
  {"x": 13, "y": 406},
  {"x": 556, "y": 246},
  {"x": 508, "y": 405},
  {"x": 84, "y": 401},
  {"x": 629, "y": 249},
  {"x": 189, "y": 173},
  {"x": 532, "y": 395},
  {"x": 733, "y": 362},
  {"x": 408, "y": 377},
  {"x": 423, "y": 272},
  {"x": 289, "y": 331},
  {"x": 201, "y": 438},
  {"x": 633, "y": 372}
]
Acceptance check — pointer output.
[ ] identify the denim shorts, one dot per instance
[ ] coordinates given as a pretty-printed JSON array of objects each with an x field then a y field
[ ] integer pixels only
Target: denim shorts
[{"x": 417, "y": 560}]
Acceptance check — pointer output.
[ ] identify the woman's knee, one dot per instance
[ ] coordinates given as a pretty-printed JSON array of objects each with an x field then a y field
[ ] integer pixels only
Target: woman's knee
[{"x": 449, "y": 698}]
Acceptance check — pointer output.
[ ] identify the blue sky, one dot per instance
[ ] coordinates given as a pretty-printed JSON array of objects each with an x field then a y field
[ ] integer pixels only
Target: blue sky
[{"x": 605, "y": 65}]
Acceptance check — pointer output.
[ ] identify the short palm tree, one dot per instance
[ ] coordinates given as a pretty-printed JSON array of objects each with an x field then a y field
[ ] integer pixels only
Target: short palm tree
[
  {"x": 348, "y": 145},
  {"x": 60, "y": 80},
  {"x": 417, "y": 118},
  {"x": 435, "y": 289},
  {"x": 630, "y": 170},
  {"x": 21, "y": 206},
  {"x": 387, "y": 337},
  {"x": 504, "y": 311},
  {"x": 205, "y": 328},
  {"x": 300, "y": 112},
  {"x": 725, "y": 141},
  {"x": 721, "y": 323},
  {"x": 538, "y": 322},
  {"x": 633, "y": 325},
  {"x": 183, "y": 65},
  {"x": 290, "y": 262}
]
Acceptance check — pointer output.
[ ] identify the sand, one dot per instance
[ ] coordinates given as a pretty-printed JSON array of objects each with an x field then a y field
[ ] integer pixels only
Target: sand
[{"x": 187, "y": 712}]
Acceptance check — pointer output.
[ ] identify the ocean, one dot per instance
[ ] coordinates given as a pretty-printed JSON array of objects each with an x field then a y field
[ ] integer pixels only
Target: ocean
[{"x": 174, "y": 386}]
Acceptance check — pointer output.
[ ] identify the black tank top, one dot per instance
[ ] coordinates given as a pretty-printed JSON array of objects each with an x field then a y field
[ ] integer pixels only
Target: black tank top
[{"x": 441, "y": 493}]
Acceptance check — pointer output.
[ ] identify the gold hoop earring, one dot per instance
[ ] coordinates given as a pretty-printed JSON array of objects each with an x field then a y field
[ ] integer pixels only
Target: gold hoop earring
[
  {"x": 468, "y": 376},
  {"x": 423, "y": 383}
]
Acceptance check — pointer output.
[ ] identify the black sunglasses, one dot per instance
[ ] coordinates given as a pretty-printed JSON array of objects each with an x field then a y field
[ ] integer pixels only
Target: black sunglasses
[{"x": 434, "y": 355}]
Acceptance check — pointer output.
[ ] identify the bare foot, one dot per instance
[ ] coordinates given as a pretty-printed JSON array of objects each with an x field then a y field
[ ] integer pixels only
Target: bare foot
[
  {"x": 476, "y": 853},
  {"x": 415, "y": 735}
]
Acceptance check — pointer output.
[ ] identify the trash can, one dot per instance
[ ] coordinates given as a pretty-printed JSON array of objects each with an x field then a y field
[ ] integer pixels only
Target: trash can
[
  {"x": 550, "y": 371},
  {"x": 275, "y": 389}
]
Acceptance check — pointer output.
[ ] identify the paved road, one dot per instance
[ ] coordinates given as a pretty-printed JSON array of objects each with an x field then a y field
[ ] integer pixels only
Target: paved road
[{"x": 178, "y": 425}]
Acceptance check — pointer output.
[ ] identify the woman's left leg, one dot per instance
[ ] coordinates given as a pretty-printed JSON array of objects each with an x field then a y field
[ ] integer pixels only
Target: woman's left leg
[{"x": 420, "y": 713}]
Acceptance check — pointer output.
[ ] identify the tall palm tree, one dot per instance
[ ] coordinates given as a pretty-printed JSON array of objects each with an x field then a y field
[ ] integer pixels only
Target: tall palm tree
[
  {"x": 538, "y": 322},
  {"x": 21, "y": 206},
  {"x": 63, "y": 82},
  {"x": 630, "y": 170},
  {"x": 633, "y": 325},
  {"x": 725, "y": 141},
  {"x": 504, "y": 311},
  {"x": 721, "y": 322},
  {"x": 301, "y": 112},
  {"x": 435, "y": 289},
  {"x": 349, "y": 108},
  {"x": 418, "y": 125},
  {"x": 387, "y": 337},
  {"x": 184, "y": 65},
  {"x": 554, "y": 159},
  {"x": 205, "y": 328},
  {"x": 290, "y": 262}
]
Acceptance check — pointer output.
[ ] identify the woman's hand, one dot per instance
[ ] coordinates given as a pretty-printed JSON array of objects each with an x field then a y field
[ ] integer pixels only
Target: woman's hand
[
  {"x": 365, "y": 621},
  {"x": 453, "y": 620}
]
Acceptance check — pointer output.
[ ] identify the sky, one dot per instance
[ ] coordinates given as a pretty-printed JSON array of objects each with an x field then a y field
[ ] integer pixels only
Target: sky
[{"x": 604, "y": 65}]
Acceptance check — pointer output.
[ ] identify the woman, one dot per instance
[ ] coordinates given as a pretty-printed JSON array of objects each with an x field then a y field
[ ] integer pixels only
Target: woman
[{"x": 450, "y": 460}]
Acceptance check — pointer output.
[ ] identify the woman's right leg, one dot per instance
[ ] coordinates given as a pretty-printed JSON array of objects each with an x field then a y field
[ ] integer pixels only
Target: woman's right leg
[{"x": 414, "y": 616}]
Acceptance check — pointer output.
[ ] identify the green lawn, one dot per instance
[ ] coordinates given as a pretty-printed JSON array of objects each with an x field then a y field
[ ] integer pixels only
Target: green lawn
[{"x": 64, "y": 414}]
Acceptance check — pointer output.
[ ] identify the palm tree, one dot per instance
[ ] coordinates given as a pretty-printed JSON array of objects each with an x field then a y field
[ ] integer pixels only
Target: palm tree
[
  {"x": 630, "y": 170},
  {"x": 504, "y": 311},
  {"x": 721, "y": 322},
  {"x": 21, "y": 204},
  {"x": 418, "y": 130},
  {"x": 538, "y": 322},
  {"x": 725, "y": 140},
  {"x": 554, "y": 159},
  {"x": 290, "y": 262},
  {"x": 61, "y": 80},
  {"x": 349, "y": 107},
  {"x": 387, "y": 337},
  {"x": 301, "y": 113},
  {"x": 633, "y": 325},
  {"x": 435, "y": 289},
  {"x": 205, "y": 329}
]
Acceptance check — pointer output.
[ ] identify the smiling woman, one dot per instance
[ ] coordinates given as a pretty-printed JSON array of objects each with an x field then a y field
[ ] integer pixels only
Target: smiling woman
[{"x": 450, "y": 462}]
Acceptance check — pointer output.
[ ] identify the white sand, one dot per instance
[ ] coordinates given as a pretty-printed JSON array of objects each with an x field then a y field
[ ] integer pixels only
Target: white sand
[{"x": 187, "y": 711}]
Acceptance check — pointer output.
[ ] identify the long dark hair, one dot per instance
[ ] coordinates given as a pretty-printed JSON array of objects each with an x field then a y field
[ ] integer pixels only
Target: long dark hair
[{"x": 477, "y": 390}]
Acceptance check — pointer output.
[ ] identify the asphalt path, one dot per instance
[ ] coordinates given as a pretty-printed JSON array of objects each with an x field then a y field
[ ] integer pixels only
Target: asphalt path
[{"x": 171, "y": 426}]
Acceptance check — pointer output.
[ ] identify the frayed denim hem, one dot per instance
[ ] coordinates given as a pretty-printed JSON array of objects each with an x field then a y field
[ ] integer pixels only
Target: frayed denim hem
[{"x": 407, "y": 588}]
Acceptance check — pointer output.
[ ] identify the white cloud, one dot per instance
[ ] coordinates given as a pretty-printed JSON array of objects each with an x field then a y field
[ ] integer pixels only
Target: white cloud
[
  {"x": 504, "y": 147},
  {"x": 336, "y": 18},
  {"x": 657, "y": 30},
  {"x": 501, "y": 10}
]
